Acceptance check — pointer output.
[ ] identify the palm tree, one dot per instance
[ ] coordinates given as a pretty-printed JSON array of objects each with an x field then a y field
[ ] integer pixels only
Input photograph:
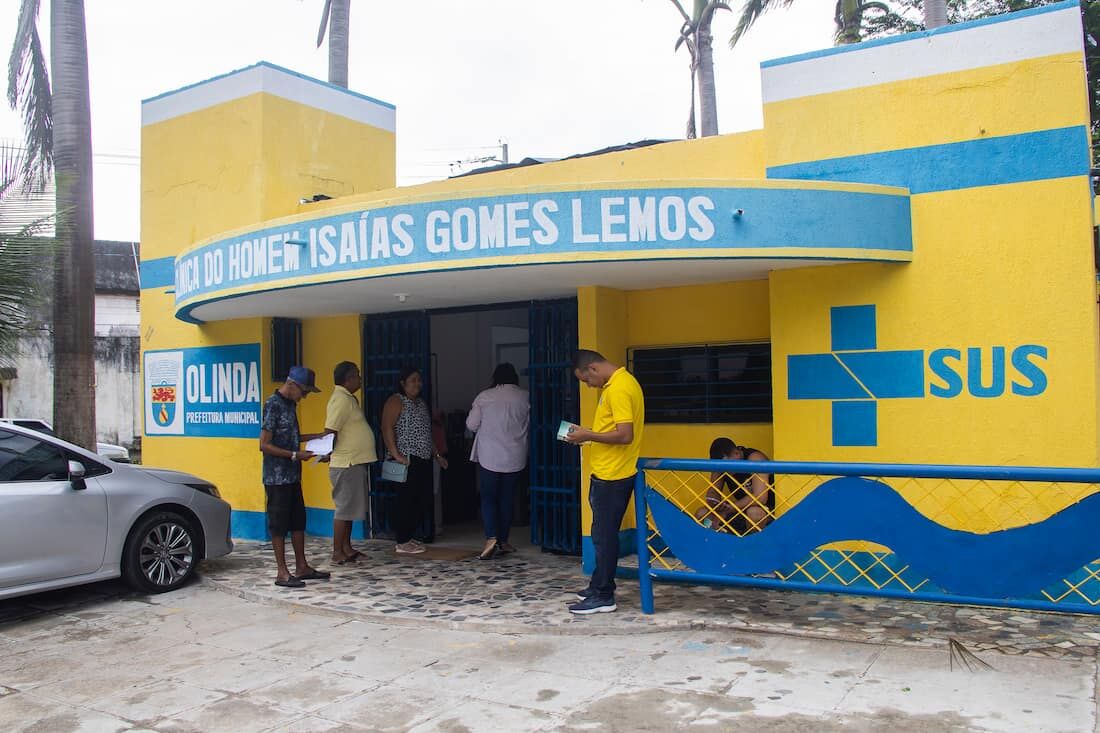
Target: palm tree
[
  {"x": 935, "y": 13},
  {"x": 854, "y": 19},
  {"x": 59, "y": 130},
  {"x": 26, "y": 211},
  {"x": 695, "y": 34},
  {"x": 335, "y": 18}
]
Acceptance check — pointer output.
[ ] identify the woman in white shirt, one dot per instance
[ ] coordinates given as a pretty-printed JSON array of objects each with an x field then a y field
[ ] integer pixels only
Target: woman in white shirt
[{"x": 500, "y": 416}]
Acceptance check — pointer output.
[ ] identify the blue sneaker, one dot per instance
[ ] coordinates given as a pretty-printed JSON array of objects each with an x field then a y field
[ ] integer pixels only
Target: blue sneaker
[
  {"x": 584, "y": 595},
  {"x": 592, "y": 604}
]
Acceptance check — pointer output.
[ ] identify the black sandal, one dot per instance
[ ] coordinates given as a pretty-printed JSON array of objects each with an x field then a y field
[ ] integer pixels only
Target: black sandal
[{"x": 490, "y": 553}]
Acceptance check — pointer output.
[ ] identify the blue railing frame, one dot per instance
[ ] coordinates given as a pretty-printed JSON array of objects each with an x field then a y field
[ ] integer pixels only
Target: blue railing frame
[{"x": 647, "y": 574}]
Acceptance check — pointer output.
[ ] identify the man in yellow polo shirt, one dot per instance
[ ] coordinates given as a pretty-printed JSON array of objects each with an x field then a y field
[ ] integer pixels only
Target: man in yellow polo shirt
[
  {"x": 352, "y": 454},
  {"x": 615, "y": 441}
]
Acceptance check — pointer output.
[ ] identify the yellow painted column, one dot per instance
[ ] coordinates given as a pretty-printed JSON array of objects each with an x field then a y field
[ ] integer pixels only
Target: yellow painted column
[{"x": 602, "y": 326}]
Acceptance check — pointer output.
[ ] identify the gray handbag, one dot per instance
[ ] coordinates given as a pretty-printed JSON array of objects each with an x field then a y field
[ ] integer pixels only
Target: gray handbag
[{"x": 394, "y": 471}]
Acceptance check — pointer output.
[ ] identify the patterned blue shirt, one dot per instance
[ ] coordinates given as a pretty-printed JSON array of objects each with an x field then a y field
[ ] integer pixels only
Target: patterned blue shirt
[{"x": 281, "y": 420}]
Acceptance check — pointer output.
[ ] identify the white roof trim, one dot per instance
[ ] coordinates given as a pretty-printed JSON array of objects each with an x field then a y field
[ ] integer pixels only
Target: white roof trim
[
  {"x": 274, "y": 80},
  {"x": 924, "y": 54}
]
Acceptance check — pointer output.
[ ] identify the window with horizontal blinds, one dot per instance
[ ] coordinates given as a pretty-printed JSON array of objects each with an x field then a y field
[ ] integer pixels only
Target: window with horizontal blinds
[{"x": 713, "y": 383}]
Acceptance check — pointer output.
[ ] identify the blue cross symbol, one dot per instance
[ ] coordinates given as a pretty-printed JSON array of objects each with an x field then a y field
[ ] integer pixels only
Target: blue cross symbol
[{"x": 855, "y": 375}]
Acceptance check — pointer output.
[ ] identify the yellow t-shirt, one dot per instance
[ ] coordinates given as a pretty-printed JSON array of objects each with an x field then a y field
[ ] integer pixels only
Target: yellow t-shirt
[
  {"x": 354, "y": 439},
  {"x": 620, "y": 401}
]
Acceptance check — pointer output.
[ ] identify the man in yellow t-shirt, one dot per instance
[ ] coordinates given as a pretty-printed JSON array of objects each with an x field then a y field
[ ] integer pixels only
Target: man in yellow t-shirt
[
  {"x": 353, "y": 452},
  {"x": 615, "y": 442}
]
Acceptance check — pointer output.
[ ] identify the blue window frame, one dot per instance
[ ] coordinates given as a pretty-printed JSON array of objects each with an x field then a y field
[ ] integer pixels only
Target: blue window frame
[{"x": 713, "y": 383}]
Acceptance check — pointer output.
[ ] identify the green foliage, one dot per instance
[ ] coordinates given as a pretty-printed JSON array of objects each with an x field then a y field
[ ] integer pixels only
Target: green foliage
[
  {"x": 27, "y": 255},
  {"x": 29, "y": 89}
]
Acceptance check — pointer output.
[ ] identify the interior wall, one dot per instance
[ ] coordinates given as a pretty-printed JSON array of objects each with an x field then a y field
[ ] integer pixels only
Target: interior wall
[{"x": 462, "y": 344}]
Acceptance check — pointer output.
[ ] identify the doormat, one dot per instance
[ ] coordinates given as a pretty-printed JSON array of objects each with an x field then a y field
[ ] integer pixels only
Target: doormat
[{"x": 443, "y": 553}]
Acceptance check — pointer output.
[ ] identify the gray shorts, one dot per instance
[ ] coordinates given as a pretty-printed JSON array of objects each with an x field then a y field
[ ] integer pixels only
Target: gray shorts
[{"x": 349, "y": 491}]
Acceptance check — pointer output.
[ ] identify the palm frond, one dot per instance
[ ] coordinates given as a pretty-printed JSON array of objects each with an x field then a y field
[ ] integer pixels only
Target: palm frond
[
  {"x": 966, "y": 659},
  {"x": 29, "y": 90},
  {"x": 324, "y": 23},
  {"x": 750, "y": 13}
]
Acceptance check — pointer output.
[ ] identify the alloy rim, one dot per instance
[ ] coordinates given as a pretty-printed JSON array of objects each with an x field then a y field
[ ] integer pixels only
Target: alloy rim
[{"x": 167, "y": 554}]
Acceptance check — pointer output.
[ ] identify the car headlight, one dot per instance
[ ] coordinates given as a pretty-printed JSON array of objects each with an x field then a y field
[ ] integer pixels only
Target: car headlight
[{"x": 207, "y": 489}]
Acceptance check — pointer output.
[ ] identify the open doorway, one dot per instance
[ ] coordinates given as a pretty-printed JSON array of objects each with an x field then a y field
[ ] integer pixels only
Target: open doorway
[
  {"x": 457, "y": 350},
  {"x": 466, "y": 345}
]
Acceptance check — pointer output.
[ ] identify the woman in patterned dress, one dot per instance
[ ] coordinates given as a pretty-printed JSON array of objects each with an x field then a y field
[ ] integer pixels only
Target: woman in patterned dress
[{"x": 407, "y": 432}]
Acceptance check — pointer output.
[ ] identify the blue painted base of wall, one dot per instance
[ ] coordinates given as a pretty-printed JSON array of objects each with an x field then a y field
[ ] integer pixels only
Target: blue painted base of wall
[
  {"x": 628, "y": 545},
  {"x": 247, "y": 525}
]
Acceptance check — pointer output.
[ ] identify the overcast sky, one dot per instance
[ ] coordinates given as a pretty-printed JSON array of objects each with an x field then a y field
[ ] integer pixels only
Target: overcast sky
[{"x": 550, "y": 78}]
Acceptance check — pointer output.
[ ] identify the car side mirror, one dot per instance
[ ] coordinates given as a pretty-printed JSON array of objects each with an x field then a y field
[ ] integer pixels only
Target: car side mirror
[{"x": 76, "y": 475}]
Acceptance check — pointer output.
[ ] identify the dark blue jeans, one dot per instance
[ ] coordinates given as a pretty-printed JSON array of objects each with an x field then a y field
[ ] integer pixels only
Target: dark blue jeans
[
  {"x": 608, "y": 500},
  {"x": 497, "y": 490}
]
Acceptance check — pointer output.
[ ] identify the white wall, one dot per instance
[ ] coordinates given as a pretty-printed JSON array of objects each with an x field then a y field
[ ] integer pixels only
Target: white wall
[
  {"x": 116, "y": 314},
  {"x": 117, "y": 368},
  {"x": 463, "y": 345}
]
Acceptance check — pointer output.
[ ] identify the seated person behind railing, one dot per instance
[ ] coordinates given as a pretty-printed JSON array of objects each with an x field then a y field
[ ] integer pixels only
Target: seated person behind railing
[{"x": 738, "y": 502}]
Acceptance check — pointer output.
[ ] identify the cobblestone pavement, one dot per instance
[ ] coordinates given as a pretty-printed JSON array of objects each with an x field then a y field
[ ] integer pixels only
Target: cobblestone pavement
[{"x": 529, "y": 591}]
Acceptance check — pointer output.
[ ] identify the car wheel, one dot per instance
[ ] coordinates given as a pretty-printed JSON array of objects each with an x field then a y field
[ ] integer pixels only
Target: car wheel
[{"x": 160, "y": 553}]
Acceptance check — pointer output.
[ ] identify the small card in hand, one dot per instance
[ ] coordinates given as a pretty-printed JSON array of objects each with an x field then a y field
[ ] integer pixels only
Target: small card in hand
[{"x": 565, "y": 428}]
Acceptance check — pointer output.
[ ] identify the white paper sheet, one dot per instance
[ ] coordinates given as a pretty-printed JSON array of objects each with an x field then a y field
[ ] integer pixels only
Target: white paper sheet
[{"x": 320, "y": 446}]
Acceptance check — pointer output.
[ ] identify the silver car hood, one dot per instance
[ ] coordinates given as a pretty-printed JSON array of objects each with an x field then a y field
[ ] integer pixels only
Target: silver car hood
[{"x": 173, "y": 477}]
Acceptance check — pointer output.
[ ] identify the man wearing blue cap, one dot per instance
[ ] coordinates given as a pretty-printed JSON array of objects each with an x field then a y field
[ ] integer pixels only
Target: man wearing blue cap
[{"x": 282, "y": 475}]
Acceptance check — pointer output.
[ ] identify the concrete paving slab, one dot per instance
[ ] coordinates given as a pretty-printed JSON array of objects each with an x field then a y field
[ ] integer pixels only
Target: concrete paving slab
[
  {"x": 315, "y": 724},
  {"x": 329, "y": 643},
  {"x": 1018, "y": 693},
  {"x": 390, "y": 708},
  {"x": 623, "y": 709},
  {"x": 235, "y": 674},
  {"x": 307, "y": 692},
  {"x": 161, "y": 699},
  {"x": 86, "y": 686},
  {"x": 33, "y": 668},
  {"x": 476, "y": 716},
  {"x": 229, "y": 714},
  {"x": 552, "y": 693},
  {"x": 376, "y": 663},
  {"x": 168, "y": 662},
  {"x": 25, "y": 713}
]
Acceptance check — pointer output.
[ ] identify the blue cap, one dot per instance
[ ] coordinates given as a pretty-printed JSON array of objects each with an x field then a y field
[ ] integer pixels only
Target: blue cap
[{"x": 303, "y": 377}]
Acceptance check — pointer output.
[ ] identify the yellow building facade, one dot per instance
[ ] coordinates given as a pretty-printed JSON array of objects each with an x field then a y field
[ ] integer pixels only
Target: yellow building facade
[{"x": 908, "y": 241}]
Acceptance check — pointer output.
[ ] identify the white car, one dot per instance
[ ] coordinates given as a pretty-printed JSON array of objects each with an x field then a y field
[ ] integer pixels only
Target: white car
[{"x": 108, "y": 450}]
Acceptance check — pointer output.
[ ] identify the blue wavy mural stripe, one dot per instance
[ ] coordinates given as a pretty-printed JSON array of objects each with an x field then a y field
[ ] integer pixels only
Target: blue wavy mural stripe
[{"x": 1011, "y": 563}]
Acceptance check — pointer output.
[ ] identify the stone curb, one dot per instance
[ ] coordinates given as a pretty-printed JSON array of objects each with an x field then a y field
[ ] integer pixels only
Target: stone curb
[{"x": 577, "y": 628}]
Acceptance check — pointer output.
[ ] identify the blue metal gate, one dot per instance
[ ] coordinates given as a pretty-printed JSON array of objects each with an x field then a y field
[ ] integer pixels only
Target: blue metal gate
[
  {"x": 555, "y": 466},
  {"x": 391, "y": 341}
]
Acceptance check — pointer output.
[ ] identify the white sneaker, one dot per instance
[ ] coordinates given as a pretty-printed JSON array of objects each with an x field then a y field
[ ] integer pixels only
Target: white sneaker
[{"x": 408, "y": 548}]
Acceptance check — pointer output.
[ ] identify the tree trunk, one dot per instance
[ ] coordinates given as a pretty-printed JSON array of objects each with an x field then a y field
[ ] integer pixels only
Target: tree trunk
[
  {"x": 935, "y": 14},
  {"x": 338, "y": 42},
  {"x": 74, "y": 269},
  {"x": 708, "y": 102},
  {"x": 850, "y": 18}
]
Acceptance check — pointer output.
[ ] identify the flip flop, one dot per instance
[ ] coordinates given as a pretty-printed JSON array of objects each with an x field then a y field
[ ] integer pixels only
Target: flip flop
[
  {"x": 314, "y": 575},
  {"x": 355, "y": 556},
  {"x": 290, "y": 582}
]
